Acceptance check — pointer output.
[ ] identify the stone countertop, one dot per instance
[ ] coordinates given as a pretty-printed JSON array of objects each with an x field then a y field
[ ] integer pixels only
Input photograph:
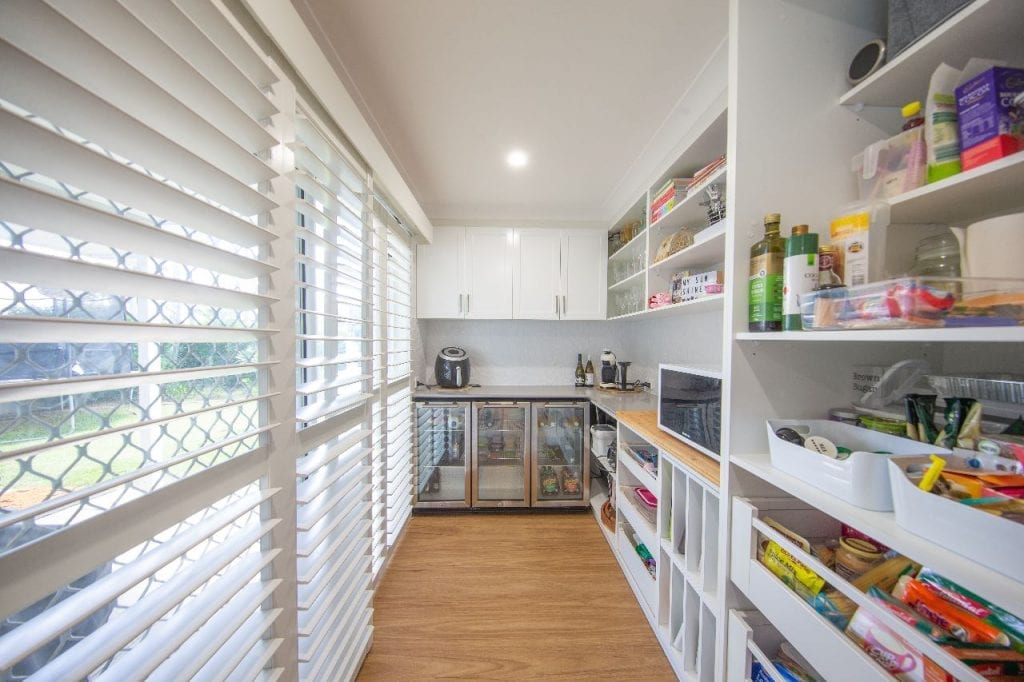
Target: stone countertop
[{"x": 611, "y": 402}]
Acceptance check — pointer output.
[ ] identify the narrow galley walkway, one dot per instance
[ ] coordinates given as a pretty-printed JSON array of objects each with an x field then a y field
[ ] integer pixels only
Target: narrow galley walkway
[{"x": 509, "y": 596}]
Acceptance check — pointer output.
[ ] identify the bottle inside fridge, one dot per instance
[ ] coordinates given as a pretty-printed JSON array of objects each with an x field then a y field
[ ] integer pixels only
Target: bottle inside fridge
[
  {"x": 560, "y": 449},
  {"x": 441, "y": 471}
]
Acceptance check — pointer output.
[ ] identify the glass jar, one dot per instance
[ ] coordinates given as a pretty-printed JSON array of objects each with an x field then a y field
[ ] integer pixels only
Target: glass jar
[
  {"x": 855, "y": 557},
  {"x": 937, "y": 256}
]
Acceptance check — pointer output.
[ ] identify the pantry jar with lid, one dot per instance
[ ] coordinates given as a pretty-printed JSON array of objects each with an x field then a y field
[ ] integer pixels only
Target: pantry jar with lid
[
  {"x": 855, "y": 557},
  {"x": 938, "y": 256}
]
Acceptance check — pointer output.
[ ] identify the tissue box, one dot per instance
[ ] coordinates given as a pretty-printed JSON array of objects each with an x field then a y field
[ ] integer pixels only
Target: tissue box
[{"x": 990, "y": 126}]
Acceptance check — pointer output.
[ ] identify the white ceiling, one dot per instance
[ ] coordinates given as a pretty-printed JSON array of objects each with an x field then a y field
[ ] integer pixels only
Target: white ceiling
[{"x": 450, "y": 86}]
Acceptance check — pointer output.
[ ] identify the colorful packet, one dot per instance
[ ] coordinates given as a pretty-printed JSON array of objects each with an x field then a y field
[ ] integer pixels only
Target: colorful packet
[
  {"x": 1011, "y": 625},
  {"x": 961, "y": 624}
]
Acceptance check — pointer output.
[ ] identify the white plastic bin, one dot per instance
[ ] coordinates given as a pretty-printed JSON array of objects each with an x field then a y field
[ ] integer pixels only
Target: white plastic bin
[
  {"x": 985, "y": 538},
  {"x": 601, "y": 437},
  {"x": 862, "y": 479}
]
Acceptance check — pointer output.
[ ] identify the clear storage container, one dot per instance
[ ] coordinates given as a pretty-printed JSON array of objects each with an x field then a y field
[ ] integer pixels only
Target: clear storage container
[{"x": 916, "y": 302}]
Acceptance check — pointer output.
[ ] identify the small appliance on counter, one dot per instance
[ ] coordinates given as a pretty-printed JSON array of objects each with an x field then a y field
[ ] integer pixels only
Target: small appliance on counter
[
  {"x": 451, "y": 369},
  {"x": 622, "y": 383},
  {"x": 690, "y": 406},
  {"x": 607, "y": 369}
]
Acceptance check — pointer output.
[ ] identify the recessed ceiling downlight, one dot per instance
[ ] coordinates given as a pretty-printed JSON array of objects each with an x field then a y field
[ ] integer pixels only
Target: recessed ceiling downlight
[{"x": 517, "y": 158}]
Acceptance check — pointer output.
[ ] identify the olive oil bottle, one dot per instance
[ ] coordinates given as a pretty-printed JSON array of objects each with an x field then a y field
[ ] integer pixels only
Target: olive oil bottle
[{"x": 766, "y": 257}]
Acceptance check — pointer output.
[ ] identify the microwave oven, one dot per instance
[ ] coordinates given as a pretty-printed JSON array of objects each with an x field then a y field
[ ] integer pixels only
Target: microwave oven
[{"x": 690, "y": 406}]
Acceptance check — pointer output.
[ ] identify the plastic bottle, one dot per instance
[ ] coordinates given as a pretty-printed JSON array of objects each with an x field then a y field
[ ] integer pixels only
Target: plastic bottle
[
  {"x": 765, "y": 288},
  {"x": 799, "y": 274},
  {"x": 912, "y": 113}
]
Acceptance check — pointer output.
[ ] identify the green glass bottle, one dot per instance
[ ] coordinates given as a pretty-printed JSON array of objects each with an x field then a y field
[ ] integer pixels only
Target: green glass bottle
[
  {"x": 799, "y": 274},
  {"x": 765, "y": 289}
]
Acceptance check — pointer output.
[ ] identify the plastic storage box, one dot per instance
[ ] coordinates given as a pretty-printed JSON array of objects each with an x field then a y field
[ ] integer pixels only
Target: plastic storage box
[
  {"x": 916, "y": 302},
  {"x": 891, "y": 167},
  {"x": 862, "y": 479},
  {"x": 984, "y": 538}
]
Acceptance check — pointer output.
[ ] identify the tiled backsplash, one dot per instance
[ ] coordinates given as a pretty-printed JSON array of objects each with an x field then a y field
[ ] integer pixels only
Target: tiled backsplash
[{"x": 539, "y": 352}]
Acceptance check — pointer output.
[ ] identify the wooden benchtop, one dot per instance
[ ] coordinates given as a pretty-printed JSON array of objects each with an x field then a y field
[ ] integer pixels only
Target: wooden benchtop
[{"x": 645, "y": 425}]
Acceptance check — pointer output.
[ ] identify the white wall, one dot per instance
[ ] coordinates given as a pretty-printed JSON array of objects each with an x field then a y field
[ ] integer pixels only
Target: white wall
[{"x": 537, "y": 352}]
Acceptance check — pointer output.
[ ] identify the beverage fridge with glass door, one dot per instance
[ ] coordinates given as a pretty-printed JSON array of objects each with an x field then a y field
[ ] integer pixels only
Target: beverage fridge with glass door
[
  {"x": 442, "y": 454},
  {"x": 501, "y": 454},
  {"x": 561, "y": 458}
]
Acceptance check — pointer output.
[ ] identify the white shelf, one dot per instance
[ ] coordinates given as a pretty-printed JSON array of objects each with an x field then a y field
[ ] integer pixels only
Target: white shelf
[
  {"x": 882, "y": 526},
  {"x": 705, "y": 304},
  {"x": 986, "y": 28},
  {"x": 629, "y": 248},
  {"x": 688, "y": 212},
  {"x": 935, "y": 335},
  {"x": 621, "y": 284},
  {"x": 981, "y": 192},
  {"x": 644, "y": 528},
  {"x": 710, "y": 250}
]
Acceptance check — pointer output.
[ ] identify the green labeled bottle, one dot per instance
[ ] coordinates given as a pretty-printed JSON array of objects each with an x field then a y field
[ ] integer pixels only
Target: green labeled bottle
[
  {"x": 766, "y": 278},
  {"x": 799, "y": 274}
]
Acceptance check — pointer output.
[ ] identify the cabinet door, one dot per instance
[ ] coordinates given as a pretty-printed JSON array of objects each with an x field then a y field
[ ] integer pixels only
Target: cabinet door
[
  {"x": 488, "y": 271},
  {"x": 439, "y": 283},
  {"x": 536, "y": 275},
  {"x": 584, "y": 274},
  {"x": 442, "y": 454},
  {"x": 561, "y": 459}
]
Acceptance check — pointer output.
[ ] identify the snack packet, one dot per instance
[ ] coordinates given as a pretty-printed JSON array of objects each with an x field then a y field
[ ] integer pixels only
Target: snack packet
[
  {"x": 1009, "y": 624},
  {"x": 966, "y": 627}
]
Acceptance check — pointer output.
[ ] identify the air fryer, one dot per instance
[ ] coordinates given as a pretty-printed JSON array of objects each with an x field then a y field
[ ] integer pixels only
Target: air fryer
[{"x": 452, "y": 368}]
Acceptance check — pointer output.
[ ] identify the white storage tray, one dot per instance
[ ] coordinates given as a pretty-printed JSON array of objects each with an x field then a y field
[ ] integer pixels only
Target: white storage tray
[
  {"x": 984, "y": 538},
  {"x": 862, "y": 479}
]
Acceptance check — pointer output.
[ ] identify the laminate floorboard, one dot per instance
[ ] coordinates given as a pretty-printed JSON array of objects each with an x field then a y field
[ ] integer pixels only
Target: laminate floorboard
[{"x": 509, "y": 597}]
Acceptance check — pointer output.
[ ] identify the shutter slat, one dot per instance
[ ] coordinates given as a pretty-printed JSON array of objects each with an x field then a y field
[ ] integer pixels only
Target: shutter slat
[
  {"x": 33, "y": 146},
  {"x": 64, "y": 615},
  {"x": 50, "y": 38},
  {"x": 112, "y": 26},
  {"x": 311, "y": 566},
  {"x": 252, "y": 665},
  {"x": 43, "y": 91},
  {"x": 339, "y": 624},
  {"x": 312, "y": 461},
  {"x": 31, "y": 207},
  {"x": 222, "y": 34},
  {"x": 324, "y": 479},
  {"x": 88, "y": 436},
  {"x": 308, "y": 136},
  {"x": 318, "y": 410},
  {"x": 310, "y": 515},
  {"x": 54, "y": 272},
  {"x": 18, "y": 329},
  {"x": 30, "y": 573},
  {"x": 232, "y": 624},
  {"x": 309, "y": 592},
  {"x": 341, "y": 592},
  {"x": 178, "y": 32},
  {"x": 33, "y": 389},
  {"x": 309, "y": 541}
]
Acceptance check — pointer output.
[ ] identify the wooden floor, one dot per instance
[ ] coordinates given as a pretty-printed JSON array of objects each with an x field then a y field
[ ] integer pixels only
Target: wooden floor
[{"x": 509, "y": 596}]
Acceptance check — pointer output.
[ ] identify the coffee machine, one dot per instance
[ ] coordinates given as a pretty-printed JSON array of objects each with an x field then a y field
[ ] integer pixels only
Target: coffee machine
[{"x": 608, "y": 369}]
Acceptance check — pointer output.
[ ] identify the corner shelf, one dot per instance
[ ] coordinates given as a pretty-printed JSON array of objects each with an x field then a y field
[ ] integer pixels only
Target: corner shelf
[
  {"x": 621, "y": 284},
  {"x": 714, "y": 302},
  {"x": 971, "y": 32},
  {"x": 710, "y": 249},
  {"x": 689, "y": 210},
  {"x": 629, "y": 248}
]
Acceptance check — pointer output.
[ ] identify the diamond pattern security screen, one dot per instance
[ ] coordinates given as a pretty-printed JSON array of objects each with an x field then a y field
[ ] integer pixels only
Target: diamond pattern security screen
[
  {"x": 205, "y": 352},
  {"x": 135, "y": 430}
]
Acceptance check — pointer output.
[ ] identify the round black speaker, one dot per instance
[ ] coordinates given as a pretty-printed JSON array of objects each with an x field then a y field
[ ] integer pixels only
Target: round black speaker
[{"x": 867, "y": 61}]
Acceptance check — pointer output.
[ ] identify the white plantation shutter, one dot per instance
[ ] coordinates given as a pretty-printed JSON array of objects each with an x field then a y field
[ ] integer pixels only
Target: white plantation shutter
[
  {"x": 397, "y": 368},
  {"x": 335, "y": 480},
  {"x": 137, "y": 506}
]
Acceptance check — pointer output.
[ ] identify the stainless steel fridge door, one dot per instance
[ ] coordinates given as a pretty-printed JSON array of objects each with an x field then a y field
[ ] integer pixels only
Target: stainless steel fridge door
[
  {"x": 501, "y": 463},
  {"x": 561, "y": 454},
  {"x": 442, "y": 454}
]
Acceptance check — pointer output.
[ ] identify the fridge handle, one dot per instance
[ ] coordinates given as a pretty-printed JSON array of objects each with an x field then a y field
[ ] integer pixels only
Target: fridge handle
[
  {"x": 434, "y": 403},
  {"x": 562, "y": 404},
  {"x": 499, "y": 403}
]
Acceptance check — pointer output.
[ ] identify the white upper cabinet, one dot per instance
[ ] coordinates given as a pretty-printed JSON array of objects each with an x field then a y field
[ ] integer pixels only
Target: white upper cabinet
[
  {"x": 440, "y": 291},
  {"x": 559, "y": 274},
  {"x": 584, "y": 275},
  {"x": 537, "y": 274},
  {"x": 488, "y": 273},
  {"x": 465, "y": 273}
]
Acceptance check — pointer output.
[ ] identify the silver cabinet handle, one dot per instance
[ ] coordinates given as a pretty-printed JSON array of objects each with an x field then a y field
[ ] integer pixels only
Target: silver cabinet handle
[
  {"x": 557, "y": 311},
  {"x": 467, "y": 304},
  {"x": 460, "y": 304},
  {"x": 565, "y": 306}
]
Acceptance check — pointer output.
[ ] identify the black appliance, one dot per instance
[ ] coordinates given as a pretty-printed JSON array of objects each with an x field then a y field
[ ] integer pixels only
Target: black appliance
[
  {"x": 690, "y": 406},
  {"x": 451, "y": 369}
]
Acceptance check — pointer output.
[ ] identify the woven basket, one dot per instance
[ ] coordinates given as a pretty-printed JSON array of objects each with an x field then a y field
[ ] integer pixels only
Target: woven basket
[{"x": 677, "y": 242}]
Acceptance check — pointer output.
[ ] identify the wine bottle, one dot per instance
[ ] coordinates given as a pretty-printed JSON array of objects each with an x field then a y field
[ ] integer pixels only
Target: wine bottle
[
  {"x": 581, "y": 376},
  {"x": 589, "y": 372}
]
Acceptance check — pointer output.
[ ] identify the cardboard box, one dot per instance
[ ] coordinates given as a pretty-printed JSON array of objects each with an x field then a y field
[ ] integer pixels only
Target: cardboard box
[{"x": 990, "y": 126}]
